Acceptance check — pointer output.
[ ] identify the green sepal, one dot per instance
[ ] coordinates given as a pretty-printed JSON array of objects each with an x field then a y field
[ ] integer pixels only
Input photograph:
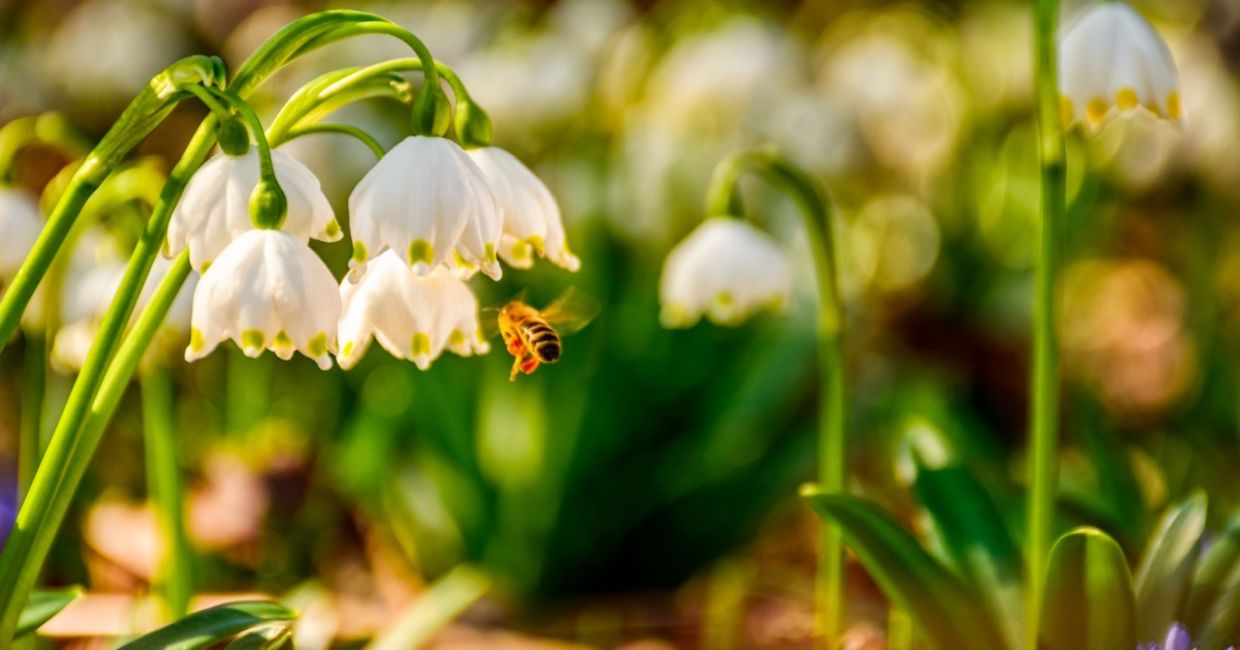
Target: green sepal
[
  {"x": 233, "y": 137},
  {"x": 268, "y": 204},
  {"x": 1089, "y": 602},
  {"x": 473, "y": 125}
]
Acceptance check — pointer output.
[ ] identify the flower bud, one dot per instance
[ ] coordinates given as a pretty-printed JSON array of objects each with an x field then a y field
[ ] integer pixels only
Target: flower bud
[
  {"x": 473, "y": 125},
  {"x": 268, "y": 205},
  {"x": 233, "y": 137},
  {"x": 431, "y": 111}
]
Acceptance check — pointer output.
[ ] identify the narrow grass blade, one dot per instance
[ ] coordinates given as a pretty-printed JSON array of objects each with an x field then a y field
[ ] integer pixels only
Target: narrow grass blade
[
  {"x": 942, "y": 607},
  {"x": 447, "y": 598},
  {"x": 1167, "y": 567},
  {"x": 42, "y": 606},
  {"x": 211, "y": 626},
  {"x": 1089, "y": 602},
  {"x": 269, "y": 637}
]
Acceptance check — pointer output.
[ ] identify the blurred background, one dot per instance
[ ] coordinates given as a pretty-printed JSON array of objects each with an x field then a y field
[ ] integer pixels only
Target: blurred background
[{"x": 642, "y": 493}]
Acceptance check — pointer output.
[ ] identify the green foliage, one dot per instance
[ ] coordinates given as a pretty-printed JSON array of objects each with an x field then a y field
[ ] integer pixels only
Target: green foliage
[
  {"x": 945, "y": 608},
  {"x": 210, "y": 626},
  {"x": 42, "y": 606},
  {"x": 1089, "y": 602},
  {"x": 1212, "y": 613},
  {"x": 1163, "y": 577}
]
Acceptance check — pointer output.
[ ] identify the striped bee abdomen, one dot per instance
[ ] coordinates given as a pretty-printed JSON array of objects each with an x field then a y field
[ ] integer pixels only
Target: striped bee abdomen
[{"x": 541, "y": 340}]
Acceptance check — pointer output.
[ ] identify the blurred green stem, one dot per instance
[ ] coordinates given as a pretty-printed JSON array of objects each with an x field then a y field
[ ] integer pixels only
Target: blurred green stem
[
  {"x": 1044, "y": 385},
  {"x": 723, "y": 198},
  {"x": 446, "y": 599},
  {"x": 33, "y": 387},
  {"x": 174, "y": 578}
]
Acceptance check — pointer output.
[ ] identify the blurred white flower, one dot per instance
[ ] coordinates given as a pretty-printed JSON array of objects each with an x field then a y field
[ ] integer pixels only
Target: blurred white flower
[
  {"x": 216, "y": 206},
  {"x": 93, "y": 275},
  {"x": 430, "y": 203},
  {"x": 1112, "y": 60},
  {"x": 20, "y": 225},
  {"x": 726, "y": 269},
  {"x": 266, "y": 290},
  {"x": 531, "y": 215},
  {"x": 413, "y": 316}
]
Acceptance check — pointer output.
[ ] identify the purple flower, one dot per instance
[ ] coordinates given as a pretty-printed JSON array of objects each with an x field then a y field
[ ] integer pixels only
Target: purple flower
[{"x": 1177, "y": 639}]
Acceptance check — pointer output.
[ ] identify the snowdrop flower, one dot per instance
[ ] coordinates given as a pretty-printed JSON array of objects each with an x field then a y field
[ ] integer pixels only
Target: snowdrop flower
[
  {"x": 531, "y": 216},
  {"x": 1112, "y": 60},
  {"x": 266, "y": 290},
  {"x": 20, "y": 225},
  {"x": 1177, "y": 639},
  {"x": 726, "y": 269},
  {"x": 427, "y": 201},
  {"x": 413, "y": 316},
  {"x": 216, "y": 206}
]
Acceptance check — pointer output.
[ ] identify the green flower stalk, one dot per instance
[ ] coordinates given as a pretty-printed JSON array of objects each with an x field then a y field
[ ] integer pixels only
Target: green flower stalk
[
  {"x": 727, "y": 270},
  {"x": 106, "y": 371},
  {"x": 1044, "y": 384}
]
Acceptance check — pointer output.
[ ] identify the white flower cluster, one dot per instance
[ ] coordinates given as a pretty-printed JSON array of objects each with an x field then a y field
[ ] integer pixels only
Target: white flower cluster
[{"x": 428, "y": 216}]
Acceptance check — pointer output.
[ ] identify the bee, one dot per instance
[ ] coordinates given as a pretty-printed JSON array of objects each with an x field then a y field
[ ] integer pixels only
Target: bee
[{"x": 532, "y": 336}]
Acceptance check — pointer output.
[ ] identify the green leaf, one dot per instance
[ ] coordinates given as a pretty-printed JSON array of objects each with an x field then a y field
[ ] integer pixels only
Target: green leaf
[
  {"x": 945, "y": 609},
  {"x": 42, "y": 606},
  {"x": 210, "y": 626},
  {"x": 1089, "y": 602},
  {"x": 1165, "y": 570},
  {"x": 1213, "y": 608},
  {"x": 268, "y": 637},
  {"x": 976, "y": 539}
]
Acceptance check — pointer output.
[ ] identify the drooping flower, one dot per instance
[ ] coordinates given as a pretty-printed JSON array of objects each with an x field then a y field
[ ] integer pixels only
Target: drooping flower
[
  {"x": 1111, "y": 60},
  {"x": 216, "y": 206},
  {"x": 430, "y": 203},
  {"x": 20, "y": 225},
  {"x": 726, "y": 269},
  {"x": 266, "y": 290},
  {"x": 531, "y": 215},
  {"x": 414, "y": 317},
  {"x": 1177, "y": 639}
]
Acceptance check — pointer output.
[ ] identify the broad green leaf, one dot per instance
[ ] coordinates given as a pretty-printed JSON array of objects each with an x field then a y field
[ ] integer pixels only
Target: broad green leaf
[
  {"x": 42, "y": 606},
  {"x": 268, "y": 637},
  {"x": 946, "y": 610},
  {"x": 1213, "y": 608},
  {"x": 211, "y": 626},
  {"x": 1089, "y": 602},
  {"x": 977, "y": 540},
  {"x": 1167, "y": 566}
]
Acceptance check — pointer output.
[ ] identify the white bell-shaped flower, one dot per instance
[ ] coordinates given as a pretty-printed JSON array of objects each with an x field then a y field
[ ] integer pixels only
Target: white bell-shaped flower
[
  {"x": 20, "y": 225},
  {"x": 531, "y": 216},
  {"x": 726, "y": 269},
  {"x": 216, "y": 206},
  {"x": 1111, "y": 60},
  {"x": 414, "y": 317},
  {"x": 430, "y": 203},
  {"x": 266, "y": 290}
]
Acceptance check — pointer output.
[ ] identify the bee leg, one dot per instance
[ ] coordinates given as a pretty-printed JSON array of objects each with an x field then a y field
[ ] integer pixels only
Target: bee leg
[
  {"x": 530, "y": 365},
  {"x": 516, "y": 368}
]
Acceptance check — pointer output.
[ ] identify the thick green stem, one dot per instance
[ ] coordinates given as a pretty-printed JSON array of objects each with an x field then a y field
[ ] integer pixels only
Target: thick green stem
[
  {"x": 447, "y": 598},
  {"x": 174, "y": 578},
  {"x": 1044, "y": 385},
  {"x": 34, "y": 384},
  {"x": 723, "y": 199}
]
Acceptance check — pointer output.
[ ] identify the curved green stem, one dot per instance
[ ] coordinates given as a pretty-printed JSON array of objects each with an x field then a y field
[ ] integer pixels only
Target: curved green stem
[
  {"x": 174, "y": 578},
  {"x": 723, "y": 199},
  {"x": 342, "y": 129},
  {"x": 95, "y": 395},
  {"x": 1044, "y": 384}
]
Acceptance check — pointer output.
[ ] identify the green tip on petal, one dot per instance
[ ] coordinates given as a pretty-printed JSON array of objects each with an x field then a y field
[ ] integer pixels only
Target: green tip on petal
[
  {"x": 317, "y": 346},
  {"x": 359, "y": 252},
  {"x": 421, "y": 345},
  {"x": 253, "y": 339},
  {"x": 490, "y": 254},
  {"x": 282, "y": 340},
  {"x": 332, "y": 229},
  {"x": 456, "y": 338},
  {"x": 346, "y": 351},
  {"x": 196, "y": 342},
  {"x": 421, "y": 251},
  {"x": 463, "y": 263}
]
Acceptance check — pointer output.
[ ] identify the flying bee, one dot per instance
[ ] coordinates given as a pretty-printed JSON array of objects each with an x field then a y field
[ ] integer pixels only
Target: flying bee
[{"x": 532, "y": 336}]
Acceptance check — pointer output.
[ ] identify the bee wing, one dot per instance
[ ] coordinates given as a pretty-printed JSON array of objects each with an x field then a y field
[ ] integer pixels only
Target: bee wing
[
  {"x": 488, "y": 320},
  {"x": 572, "y": 311}
]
